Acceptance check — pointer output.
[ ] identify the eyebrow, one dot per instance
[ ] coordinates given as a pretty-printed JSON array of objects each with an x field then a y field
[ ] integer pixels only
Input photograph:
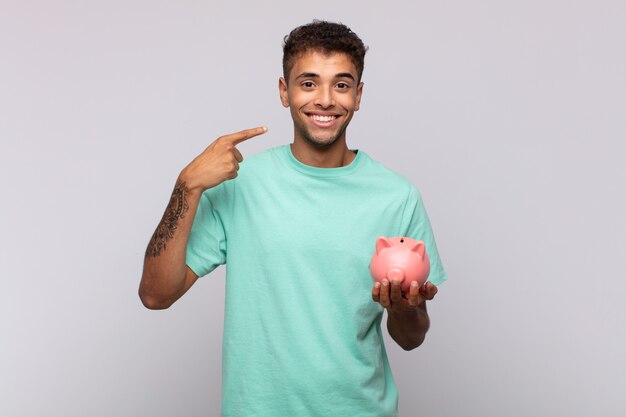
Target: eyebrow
[
  {"x": 345, "y": 75},
  {"x": 314, "y": 75}
]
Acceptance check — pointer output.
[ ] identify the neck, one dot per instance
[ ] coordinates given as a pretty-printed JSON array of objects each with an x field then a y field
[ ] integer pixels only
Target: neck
[{"x": 335, "y": 156}]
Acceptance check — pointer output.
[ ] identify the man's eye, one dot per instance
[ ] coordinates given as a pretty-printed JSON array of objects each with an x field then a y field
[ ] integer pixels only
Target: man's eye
[
  {"x": 307, "y": 84},
  {"x": 343, "y": 85}
]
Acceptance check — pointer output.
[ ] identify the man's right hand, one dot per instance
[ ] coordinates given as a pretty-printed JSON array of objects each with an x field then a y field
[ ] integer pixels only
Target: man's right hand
[
  {"x": 166, "y": 277},
  {"x": 218, "y": 163}
]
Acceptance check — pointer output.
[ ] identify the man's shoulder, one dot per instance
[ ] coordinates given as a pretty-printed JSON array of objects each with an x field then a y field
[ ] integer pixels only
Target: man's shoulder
[
  {"x": 381, "y": 171},
  {"x": 264, "y": 159}
]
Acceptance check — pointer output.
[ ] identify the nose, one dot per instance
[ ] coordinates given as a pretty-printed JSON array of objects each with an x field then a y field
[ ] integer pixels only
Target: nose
[{"x": 324, "y": 98}]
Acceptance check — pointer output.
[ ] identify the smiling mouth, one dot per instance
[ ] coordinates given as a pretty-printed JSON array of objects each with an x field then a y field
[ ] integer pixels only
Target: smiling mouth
[{"x": 322, "y": 119}]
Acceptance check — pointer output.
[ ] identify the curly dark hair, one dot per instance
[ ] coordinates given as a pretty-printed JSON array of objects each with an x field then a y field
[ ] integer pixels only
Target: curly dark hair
[{"x": 326, "y": 37}]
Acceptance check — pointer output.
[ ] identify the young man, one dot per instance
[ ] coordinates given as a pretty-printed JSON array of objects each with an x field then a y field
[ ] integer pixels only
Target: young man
[{"x": 296, "y": 226}]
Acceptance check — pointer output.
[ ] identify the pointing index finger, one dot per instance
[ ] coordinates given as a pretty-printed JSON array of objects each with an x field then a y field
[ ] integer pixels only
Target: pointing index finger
[{"x": 239, "y": 137}]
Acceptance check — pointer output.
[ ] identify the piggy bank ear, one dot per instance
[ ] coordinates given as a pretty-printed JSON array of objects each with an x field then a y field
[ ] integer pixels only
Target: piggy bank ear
[
  {"x": 419, "y": 248},
  {"x": 382, "y": 243}
]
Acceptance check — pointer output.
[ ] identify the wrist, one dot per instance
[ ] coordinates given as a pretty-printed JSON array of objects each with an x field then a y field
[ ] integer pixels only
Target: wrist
[
  {"x": 402, "y": 314},
  {"x": 192, "y": 189}
]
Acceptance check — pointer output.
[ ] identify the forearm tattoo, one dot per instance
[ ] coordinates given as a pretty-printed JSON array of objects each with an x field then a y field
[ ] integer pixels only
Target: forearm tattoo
[{"x": 175, "y": 210}]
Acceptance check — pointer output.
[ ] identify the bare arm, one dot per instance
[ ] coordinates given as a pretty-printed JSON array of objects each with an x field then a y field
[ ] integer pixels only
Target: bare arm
[
  {"x": 407, "y": 319},
  {"x": 166, "y": 276}
]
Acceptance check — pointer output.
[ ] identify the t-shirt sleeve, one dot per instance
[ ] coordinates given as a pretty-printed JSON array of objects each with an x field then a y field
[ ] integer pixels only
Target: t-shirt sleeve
[
  {"x": 206, "y": 248},
  {"x": 416, "y": 225}
]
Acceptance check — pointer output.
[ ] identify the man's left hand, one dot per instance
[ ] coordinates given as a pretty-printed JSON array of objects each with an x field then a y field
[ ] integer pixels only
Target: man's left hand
[{"x": 389, "y": 295}]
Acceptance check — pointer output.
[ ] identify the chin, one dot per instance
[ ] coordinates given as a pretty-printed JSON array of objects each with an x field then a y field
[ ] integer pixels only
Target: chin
[{"x": 320, "y": 142}]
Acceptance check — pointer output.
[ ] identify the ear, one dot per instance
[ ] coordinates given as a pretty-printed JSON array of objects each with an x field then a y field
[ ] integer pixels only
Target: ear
[
  {"x": 359, "y": 92},
  {"x": 282, "y": 90},
  {"x": 382, "y": 243},
  {"x": 419, "y": 248}
]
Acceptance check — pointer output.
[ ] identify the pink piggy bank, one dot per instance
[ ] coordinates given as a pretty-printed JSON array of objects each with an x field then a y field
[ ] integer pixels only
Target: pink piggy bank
[{"x": 400, "y": 258}]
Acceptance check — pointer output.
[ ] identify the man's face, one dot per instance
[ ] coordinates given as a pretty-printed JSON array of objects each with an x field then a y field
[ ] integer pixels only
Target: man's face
[{"x": 322, "y": 95}]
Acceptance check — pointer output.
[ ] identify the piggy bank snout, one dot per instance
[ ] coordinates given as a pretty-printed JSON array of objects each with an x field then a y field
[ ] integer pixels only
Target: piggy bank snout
[{"x": 395, "y": 274}]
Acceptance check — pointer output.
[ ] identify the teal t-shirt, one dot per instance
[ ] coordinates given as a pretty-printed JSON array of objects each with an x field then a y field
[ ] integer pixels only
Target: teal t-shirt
[{"x": 302, "y": 336}]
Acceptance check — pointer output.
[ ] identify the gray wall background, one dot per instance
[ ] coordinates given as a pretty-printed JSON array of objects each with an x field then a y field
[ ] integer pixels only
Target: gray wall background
[{"x": 509, "y": 116}]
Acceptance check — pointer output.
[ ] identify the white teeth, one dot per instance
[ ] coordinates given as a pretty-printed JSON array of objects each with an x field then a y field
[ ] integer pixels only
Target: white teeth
[{"x": 322, "y": 118}]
